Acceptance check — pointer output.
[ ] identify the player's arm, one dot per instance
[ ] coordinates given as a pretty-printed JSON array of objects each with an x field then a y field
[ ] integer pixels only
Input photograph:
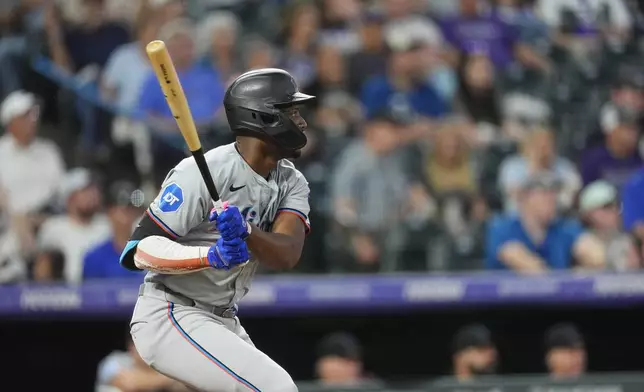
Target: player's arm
[
  {"x": 282, "y": 247},
  {"x": 179, "y": 207}
]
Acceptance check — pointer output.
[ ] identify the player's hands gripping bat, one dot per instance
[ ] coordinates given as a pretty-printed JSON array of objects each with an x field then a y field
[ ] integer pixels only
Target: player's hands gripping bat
[
  {"x": 230, "y": 223},
  {"x": 230, "y": 250},
  {"x": 176, "y": 99},
  {"x": 228, "y": 254}
]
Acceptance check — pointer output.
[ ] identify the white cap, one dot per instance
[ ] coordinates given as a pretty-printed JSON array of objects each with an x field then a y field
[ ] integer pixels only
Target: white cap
[
  {"x": 402, "y": 35},
  {"x": 16, "y": 104},
  {"x": 74, "y": 180},
  {"x": 597, "y": 194}
]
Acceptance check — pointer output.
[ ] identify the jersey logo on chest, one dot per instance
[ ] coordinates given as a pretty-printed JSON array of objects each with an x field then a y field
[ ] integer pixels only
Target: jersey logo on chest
[{"x": 251, "y": 215}]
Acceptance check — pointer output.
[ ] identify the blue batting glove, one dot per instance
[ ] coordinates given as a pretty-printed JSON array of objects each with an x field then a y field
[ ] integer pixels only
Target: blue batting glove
[
  {"x": 228, "y": 254},
  {"x": 231, "y": 224}
]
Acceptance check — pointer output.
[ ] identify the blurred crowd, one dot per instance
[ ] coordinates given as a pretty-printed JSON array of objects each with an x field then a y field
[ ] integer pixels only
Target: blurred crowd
[
  {"x": 340, "y": 362},
  {"x": 447, "y": 135}
]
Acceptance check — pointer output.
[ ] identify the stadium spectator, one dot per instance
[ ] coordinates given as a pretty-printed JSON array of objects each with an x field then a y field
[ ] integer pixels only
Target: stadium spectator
[
  {"x": 128, "y": 67},
  {"x": 339, "y": 362},
  {"x": 522, "y": 15},
  {"x": 30, "y": 167},
  {"x": 523, "y": 112},
  {"x": 478, "y": 95},
  {"x": 18, "y": 20},
  {"x": 81, "y": 227},
  {"x": 627, "y": 92},
  {"x": 301, "y": 28},
  {"x": 538, "y": 156},
  {"x": 598, "y": 205},
  {"x": 565, "y": 352},
  {"x": 371, "y": 57},
  {"x": 204, "y": 103},
  {"x": 259, "y": 53},
  {"x": 632, "y": 210},
  {"x": 450, "y": 168},
  {"x": 473, "y": 353},
  {"x": 337, "y": 111},
  {"x": 337, "y": 28},
  {"x": 82, "y": 41},
  {"x": 618, "y": 157},
  {"x": 102, "y": 261},
  {"x": 576, "y": 25},
  {"x": 405, "y": 89},
  {"x": 538, "y": 239},
  {"x": 48, "y": 267},
  {"x": 373, "y": 195},
  {"x": 218, "y": 44},
  {"x": 474, "y": 31},
  {"x": 125, "y": 371}
]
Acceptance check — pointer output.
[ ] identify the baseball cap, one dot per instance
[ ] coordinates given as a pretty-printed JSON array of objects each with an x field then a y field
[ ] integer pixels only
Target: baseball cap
[
  {"x": 472, "y": 336},
  {"x": 545, "y": 181},
  {"x": 563, "y": 336},
  {"x": 340, "y": 344},
  {"x": 597, "y": 194},
  {"x": 75, "y": 180},
  {"x": 16, "y": 104},
  {"x": 613, "y": 116},
  {"x": 411, "y": 33}
]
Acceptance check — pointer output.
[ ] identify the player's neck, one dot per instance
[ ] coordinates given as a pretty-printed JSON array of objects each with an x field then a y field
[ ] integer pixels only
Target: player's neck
[{"x": 260, "y": 162}]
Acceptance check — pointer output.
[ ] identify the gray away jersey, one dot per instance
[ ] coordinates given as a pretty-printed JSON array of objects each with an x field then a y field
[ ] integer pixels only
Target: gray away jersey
[{"x": 181, "y": 209}]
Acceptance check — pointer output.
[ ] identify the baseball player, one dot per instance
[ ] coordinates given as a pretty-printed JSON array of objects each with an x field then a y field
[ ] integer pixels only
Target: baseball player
[{"x": 200, "y": 260}]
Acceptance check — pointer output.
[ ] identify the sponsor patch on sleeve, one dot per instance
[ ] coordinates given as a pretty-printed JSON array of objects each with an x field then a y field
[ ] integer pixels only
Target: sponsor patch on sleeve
[{"x": 171, "y": 198}]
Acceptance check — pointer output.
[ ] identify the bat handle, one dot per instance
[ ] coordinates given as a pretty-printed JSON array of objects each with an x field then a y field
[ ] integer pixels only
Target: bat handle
[{"x": 205, "y": 173}]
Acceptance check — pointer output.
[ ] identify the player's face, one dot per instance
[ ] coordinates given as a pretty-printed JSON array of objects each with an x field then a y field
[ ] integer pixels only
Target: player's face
[{"x": 293, "y": 113}]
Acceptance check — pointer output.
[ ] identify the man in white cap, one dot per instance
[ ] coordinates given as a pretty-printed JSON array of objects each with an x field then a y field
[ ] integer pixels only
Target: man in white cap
[
  {"x": 30, "y": 167},
  {"x": 82, "y": 226},
  {"x": 598, "y": 205}
]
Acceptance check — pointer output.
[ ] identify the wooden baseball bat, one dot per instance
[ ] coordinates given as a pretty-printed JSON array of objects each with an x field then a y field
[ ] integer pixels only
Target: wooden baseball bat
[{"x": 176, "y": 99}]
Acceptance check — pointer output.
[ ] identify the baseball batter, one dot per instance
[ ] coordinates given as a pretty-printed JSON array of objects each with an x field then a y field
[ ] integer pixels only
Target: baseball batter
[{"x": 200, "y": 260}]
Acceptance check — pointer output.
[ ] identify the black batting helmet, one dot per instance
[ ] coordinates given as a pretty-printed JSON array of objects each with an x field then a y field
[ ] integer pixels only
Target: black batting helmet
[{"x": 254, "y": 105}]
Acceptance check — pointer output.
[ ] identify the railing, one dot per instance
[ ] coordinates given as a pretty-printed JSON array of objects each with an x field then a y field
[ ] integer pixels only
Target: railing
[
  {"x": 607, "y": 382},
  {"x": 292, "y": 294}
]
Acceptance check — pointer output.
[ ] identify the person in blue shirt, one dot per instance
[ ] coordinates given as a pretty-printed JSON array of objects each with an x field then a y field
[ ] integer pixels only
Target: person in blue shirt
[
  {"x": 406, "y": 87},
  {"x": 201, "y": 83},
  {"x": 537, "y": 239},
  {"x": 632, "y": 205},
  {"x": 203, "y": 89},
  {"x": 102, "y": 261}
]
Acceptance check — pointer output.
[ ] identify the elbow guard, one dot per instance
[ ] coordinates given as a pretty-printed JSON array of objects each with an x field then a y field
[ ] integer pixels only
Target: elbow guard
[{"x": 160, "y": 254}]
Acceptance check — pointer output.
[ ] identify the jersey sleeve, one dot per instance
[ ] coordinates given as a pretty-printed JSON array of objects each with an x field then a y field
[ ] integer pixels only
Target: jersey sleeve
[
  {"x": 181, "y": 205},
  {"x": 296, "y": 200}
]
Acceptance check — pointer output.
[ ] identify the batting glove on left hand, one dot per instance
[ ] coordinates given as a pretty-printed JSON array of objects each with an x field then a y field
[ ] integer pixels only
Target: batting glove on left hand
[
  {"x": 228, "y": 254},
  {"x": 230, "y": 223}
]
